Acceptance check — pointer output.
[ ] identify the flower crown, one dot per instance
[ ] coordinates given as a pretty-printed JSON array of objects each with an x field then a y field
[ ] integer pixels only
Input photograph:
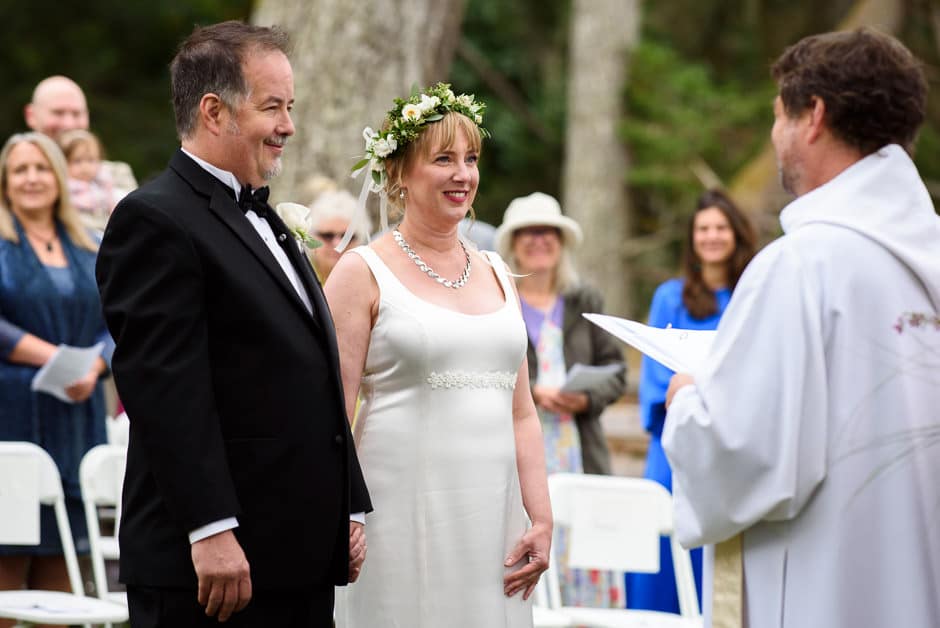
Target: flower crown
[{"x": 404, "y": 124}]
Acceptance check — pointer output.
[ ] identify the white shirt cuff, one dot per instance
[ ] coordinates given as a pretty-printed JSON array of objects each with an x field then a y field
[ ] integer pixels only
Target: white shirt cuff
[
  {"x": 358, "y": 517},
  {"x": 215, "y": 527}
]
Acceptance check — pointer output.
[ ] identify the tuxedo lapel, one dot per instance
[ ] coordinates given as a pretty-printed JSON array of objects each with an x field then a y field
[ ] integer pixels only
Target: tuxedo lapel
[
  {"x": 310, "y": 281},
  {"x": 223, "y": 205},
  {"x": 298, "y": 259}
]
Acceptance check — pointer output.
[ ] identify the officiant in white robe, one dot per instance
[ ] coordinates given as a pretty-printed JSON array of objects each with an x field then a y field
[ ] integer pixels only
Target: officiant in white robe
[{"x": 814, "y": 426}]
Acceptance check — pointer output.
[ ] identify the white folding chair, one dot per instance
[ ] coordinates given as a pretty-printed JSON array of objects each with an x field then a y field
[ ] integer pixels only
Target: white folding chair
[
  {"x": 118, "y": 429},
  {"x": 28, "y": 478},
  {"x": 542, "y": 615},
  {"x": 614, "y": 524},
  {"x": 101, "y": 475}
]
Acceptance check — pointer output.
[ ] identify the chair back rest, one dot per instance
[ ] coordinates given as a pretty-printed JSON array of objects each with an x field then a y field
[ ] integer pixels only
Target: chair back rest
[
  {"x": 118, "y": 429},
  {"x": 614, "y": 524},
  {"x": 30, "y": 478},
  {"x": 101, "y": 474}
]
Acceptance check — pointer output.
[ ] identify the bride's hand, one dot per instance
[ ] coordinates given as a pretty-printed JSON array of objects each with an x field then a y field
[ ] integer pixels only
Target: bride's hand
[{"x": 532, "y": 550}]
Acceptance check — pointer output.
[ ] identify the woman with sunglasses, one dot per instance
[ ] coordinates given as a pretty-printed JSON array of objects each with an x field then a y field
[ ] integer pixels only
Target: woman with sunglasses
[{"x": 331, "y": 214}]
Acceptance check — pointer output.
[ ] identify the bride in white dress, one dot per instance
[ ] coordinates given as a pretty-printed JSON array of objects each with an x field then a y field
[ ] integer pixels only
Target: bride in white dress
[{"x": 447, "y": 434}]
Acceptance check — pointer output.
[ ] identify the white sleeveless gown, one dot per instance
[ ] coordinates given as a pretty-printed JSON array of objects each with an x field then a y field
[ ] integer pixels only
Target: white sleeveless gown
[{"x": 435, "y": 439}]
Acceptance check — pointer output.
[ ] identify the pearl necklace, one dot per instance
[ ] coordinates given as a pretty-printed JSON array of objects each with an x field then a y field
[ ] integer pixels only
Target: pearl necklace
[{"x": 460, "y": 282}]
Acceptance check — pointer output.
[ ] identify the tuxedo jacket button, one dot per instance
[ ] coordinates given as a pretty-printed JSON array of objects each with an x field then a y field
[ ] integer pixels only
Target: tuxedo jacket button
[{"x": 338, "y": 439}]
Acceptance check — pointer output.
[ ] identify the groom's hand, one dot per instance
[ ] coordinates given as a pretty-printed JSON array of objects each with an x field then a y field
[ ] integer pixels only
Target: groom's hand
[
  {"x": 357, "y": 549},
  {"x": 224, "y": 576}
]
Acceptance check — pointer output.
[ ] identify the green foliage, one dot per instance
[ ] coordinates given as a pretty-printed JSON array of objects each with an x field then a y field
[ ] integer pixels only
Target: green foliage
[
  {"x": 525, "y": 43},
  {"x": 119, "y": 52},
  {"x": 679, "y": 117},
  {"x": 679, "y": 114}
]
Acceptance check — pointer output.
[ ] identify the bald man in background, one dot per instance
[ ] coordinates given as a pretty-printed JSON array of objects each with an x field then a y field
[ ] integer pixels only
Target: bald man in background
[{"x": 59, "y": 105}]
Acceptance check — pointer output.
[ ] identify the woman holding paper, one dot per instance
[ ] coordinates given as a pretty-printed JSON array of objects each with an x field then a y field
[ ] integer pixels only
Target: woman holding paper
[
  {"x": 719, "y": 243},
  {"x": 48, "y": 297},
  {"x": 536, "y": 240}
]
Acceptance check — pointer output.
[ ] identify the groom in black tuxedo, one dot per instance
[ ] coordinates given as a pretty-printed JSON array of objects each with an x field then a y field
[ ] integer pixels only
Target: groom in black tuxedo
[{"x": 241, "y": 470}]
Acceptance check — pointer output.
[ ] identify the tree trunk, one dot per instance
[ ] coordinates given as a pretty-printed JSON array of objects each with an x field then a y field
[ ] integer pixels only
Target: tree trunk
[
  {"x": 595, "y": 191},
  {"x": 756, "y": 187},
  {"x": 350, "y": 60}
]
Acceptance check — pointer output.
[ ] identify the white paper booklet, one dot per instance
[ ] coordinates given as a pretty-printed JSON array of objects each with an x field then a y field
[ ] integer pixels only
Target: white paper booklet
[
  {"x": 65, "y": 366},
  {"x": 681, "y": 350},
  {"x": 584, "y": 377}
]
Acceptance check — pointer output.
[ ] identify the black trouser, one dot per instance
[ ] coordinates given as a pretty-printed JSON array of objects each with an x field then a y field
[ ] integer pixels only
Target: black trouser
[{"x": 152, "y": 607}]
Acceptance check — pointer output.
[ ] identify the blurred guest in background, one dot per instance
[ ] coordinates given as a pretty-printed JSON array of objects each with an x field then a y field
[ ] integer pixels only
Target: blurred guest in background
[
  {"x": 479, "y": 232},
  {"x": 536, "y": 240},
  {"x": 59, "y": 105},
  {"x": 92, "y": 192},
  {"x": 331, "y": 214},
  {"x": 719, "y": 243},
  {"x": 47, "y": 297}
]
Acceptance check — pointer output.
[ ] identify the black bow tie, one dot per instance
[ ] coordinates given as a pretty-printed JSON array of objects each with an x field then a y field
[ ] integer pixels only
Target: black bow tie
[{"x": 256, "y": 200}]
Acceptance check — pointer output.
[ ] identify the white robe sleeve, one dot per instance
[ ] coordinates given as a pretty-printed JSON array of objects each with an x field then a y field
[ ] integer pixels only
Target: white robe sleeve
[{"x": 748, "y": 441}]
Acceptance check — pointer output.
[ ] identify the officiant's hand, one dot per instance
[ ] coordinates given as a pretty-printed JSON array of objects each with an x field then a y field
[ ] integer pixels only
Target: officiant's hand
[
  {"x": 81, "y": 389},
  {"x": 223, "y": 573},
  {"x": 678, "y": 381},
  {"x": 532, "y": 550},
  {"x": 357, "y": 549}
]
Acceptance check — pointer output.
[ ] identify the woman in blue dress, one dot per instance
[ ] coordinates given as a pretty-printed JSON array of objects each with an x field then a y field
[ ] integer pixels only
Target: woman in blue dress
[
  {"x": 48, "y": 297},
  {"x": 719, "y": 243}
]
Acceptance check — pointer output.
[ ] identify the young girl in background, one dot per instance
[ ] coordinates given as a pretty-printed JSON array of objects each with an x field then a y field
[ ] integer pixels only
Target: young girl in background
[{"x": 90, "y": 186}]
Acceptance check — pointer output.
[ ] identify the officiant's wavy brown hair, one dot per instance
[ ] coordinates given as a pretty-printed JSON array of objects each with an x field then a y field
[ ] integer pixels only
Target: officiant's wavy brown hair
[{"x": 873, "y": 87}]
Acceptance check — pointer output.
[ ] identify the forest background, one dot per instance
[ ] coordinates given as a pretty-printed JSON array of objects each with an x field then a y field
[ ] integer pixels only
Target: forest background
[{"x": 624, "y": 110}]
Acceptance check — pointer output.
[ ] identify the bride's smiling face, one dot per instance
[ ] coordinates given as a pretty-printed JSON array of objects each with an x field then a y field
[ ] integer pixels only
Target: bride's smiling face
[{"x": 443, "y": 183}]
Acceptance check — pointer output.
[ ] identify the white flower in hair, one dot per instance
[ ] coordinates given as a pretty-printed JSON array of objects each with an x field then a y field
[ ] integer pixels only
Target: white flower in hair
[
  {"x": 368, "y": 134},
  {"x": 411, "y": 112},
  {"x": 384, "y": 147},
  {"x": 465, "y": 100},
  {"x": 478, "y": 119},
  {"x": 377, "y": 165},
  {"x": 449, "y": 96},
  {"x": 428, "y": 103}
]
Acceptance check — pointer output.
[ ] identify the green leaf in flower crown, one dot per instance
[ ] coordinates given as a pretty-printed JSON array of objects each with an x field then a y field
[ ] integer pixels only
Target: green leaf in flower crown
[
  {"x": 360, "y": 164},
  {"x": 434, "y": 118},
  {"x": 377, "y": 177}
]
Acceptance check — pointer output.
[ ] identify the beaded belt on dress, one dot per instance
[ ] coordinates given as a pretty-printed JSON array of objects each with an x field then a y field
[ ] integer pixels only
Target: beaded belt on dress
[{"x": 473, "y": 379}]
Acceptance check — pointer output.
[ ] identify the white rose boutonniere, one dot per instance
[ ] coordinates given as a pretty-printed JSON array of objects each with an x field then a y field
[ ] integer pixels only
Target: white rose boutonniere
[{"x": 295, "y": 217}]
